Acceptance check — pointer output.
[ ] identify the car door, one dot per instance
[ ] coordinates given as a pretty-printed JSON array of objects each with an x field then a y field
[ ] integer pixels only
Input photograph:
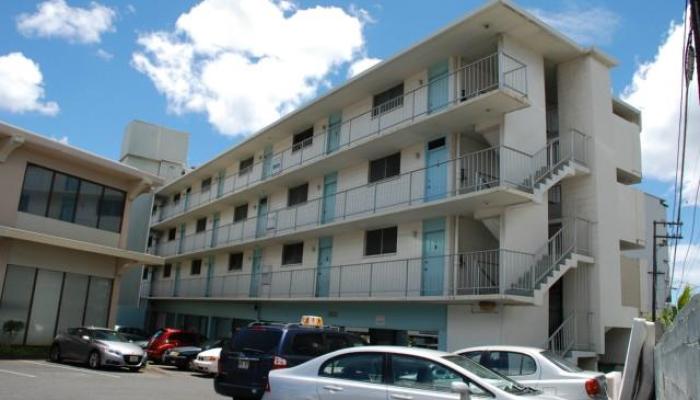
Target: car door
[
  {"x": 69, "y": 343},
  {"x": 516, "y": 365},
  {"x": 417, "y": 378},
  {"x": 352, "y": 376},
  {"x": 83, "y": 344}
]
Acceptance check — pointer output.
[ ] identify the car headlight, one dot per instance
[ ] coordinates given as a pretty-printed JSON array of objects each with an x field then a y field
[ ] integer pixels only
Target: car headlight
[{"x": 209, "y": 358}]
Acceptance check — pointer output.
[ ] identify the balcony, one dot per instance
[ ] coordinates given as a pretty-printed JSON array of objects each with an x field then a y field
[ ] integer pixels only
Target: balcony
[
  {"x": 497, "y": 82},
  {"x": 500, "y": 175},
  {"x": 498, "y": 274}
]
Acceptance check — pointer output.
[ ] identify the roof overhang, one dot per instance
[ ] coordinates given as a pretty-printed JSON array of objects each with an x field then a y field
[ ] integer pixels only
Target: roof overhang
[
  {"x": 12, "y": 137},
  {"x": 127, "y": 256}
]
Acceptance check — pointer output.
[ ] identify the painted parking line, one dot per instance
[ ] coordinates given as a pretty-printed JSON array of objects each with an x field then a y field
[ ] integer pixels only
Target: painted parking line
[
  {"x": 81, "y": 370},
  {"x": 17, "y": 373}
]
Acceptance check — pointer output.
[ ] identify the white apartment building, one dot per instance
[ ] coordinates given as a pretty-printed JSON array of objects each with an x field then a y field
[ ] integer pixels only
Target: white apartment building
[{"x": 473, "y": 189}]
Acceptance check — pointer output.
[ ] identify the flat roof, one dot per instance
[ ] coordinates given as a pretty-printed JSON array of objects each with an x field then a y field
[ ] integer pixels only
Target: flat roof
[
  {"x": 495, "y": 17},
  {"x": 55, "y": 148}
]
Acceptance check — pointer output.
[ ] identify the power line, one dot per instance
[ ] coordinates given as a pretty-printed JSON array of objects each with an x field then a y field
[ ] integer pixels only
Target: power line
[{"x": 692, "y": 232}]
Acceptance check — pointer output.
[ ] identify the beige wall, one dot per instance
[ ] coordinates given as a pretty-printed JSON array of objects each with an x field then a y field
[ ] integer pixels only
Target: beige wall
[{"x": 630, "y": 270}]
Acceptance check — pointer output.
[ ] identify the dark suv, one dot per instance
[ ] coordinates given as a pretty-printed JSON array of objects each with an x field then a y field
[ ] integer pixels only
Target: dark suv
[{"x": 255, "y": 350}]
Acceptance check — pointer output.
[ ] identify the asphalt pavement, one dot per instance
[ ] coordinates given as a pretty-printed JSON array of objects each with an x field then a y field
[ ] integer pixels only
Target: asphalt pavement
[{"x": 39, "y": 379}]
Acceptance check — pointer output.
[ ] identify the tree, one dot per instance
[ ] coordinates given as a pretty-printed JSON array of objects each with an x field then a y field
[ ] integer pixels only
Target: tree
[{"x": 668, "y": 315}]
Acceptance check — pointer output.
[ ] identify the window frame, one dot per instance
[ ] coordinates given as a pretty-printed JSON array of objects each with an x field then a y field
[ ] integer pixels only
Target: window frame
[
  {"x": 285, "y": 253},
  {"x": 382, "y": 250},
  {"x": 172, "y": 237},
  {"x": 248, "y": 167},
  {"x": 235, "y": 213},
  {"x": 385, "y": 370},
  {"x": 197, "y": 262},
  {"x": 507, "y": 353},
  {"x": 293, "y": 193},
  {"x": 301, "y": 140},
  {"x": 389, "y": 375},
  {"x": 384, "y": 168},
  {"x": 230, "y": 258},
  {"x": 383, "y": 106},
  {"x": 167, "y": 270},
  {"x": 205, "y": 185},
  {"x": 200, "y": 225},
  {"x": 80, "y": 180}
]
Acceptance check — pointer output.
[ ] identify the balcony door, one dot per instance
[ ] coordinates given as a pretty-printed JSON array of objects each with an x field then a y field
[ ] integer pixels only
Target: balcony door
[
  {"x": 323, "y": 270},
  {"x": 330, "y": 186},
  {"x": 267, "y": 161},
  {"x": 436, "y": 175},
  {"x": 261, "y": 227},
  {"x": 256, "y": 272},
  {"x": 433, "y": 257},
  {"x": 333, "y": 140},
  {"x": 438, "y": 89}
]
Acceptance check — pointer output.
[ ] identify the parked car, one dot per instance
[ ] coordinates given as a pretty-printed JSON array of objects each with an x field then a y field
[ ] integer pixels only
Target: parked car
[
  {"x": 136, "y": 335},
  {"x": 541, "y": 369},
  {"x": 182, "y": 357},
  {"x": 97, "y": 347},
  {"x": 392, "y": 372},
  {"x": 168, "y": 338},
  {"x": 259, "y": 348},
  {"x": 207, "y": 362}
]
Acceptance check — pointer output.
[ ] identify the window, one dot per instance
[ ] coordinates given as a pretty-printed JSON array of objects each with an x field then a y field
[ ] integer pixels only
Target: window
[
  {"x": 381, "y": 241},
  {"x": 64, "y": 194},
  {"x": 473, "y": 355},
  {"x": 176, "y": 198},
  {"x": 36, "y": 190},
  {"x": 65, "y": 197},
  {"x": 297, "y": 195},
  {"x": 144, "y": 273},
  {"x": 196, "y": 267},
  {"x": 337, "y": 341},
  {"x": 201, "y": 225},
  {"x": 245, "y": 166},
  {"x": 172, "y": 232},
  {"x": 306, "y": 344},
  {"x": 206, "y": 184},
  {"x": 387, "y": 100},
  {"x": 419, "y": 373},
  {"x": 240, "y": 213},
  {"x": 88, "y": 210},
  {"x": 363, "y": 367},
  {"x": 167, "y": 269},
  {"x": 235, "y": 261},
  {"x": 111, "y": 210},
  {"x": 511, "y": 364},
  {"x": 385, "y": 167},
  {"x": 293, "y": 253},
  {"x": 303, "y": 139}
]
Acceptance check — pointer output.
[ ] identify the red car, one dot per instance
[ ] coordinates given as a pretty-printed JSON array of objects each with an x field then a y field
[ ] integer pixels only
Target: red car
[{"x": 165, "y": 339}]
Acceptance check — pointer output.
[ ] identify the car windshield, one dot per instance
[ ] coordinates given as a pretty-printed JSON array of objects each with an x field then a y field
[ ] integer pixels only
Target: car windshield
[
  {"x": 260, "y": 341},
  {"x": 109, "y": 336},
  {"x": 492, "y": 377},
  {"x": 211, "y": 344},
  {"x": 561, "y": 362}
]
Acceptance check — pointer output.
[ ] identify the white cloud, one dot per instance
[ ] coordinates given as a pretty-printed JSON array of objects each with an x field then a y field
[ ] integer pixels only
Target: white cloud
[
  {"x": 585, "y": 25},
  {"x": 690, "y": 272},
  {"x": 361, "y": 65},
  {"x": 22, "y": 86},
  {"x": 55, "y": 18},
  {"x": 656, "y": 91},
  {"x": 245, "y": 63},
  {"x": 104, "y": 54}
]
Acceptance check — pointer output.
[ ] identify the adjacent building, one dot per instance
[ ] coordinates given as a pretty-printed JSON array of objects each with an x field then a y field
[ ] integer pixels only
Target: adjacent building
[
  {"x": 63, "y": 236},
  {"x": 473, "y": 189}
]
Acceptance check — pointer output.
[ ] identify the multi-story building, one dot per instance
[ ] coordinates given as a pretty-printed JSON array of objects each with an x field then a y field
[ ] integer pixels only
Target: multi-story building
[
  {"x": 63, "y": 236},
  {"x": 472, "y": 189}
]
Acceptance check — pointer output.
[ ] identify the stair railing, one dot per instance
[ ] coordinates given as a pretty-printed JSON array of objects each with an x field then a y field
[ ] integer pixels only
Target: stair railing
[
  {"x": 557, "y": 152},
  {"x": 563, "y": 338}
]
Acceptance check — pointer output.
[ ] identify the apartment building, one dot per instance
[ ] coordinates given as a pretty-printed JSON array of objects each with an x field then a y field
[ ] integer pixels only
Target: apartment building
[
  {"x": 473, "y": 189},
  {"x": 63, "y": 237}
]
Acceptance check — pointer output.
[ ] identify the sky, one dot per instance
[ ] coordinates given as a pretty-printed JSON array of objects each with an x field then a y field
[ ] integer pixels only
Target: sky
[{"x": 78, "y": 71}]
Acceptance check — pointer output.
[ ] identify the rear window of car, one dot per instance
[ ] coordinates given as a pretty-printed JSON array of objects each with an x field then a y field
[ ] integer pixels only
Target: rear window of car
[
  {"x": 256, "y": 341},
  {"x": 561, "y": 362},
  {"x": 306, "y": 344}
]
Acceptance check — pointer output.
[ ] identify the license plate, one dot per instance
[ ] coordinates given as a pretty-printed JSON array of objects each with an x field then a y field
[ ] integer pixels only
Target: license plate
[
  {"x": 243, "y": 364},
  {"x": 133, "y": 359}
]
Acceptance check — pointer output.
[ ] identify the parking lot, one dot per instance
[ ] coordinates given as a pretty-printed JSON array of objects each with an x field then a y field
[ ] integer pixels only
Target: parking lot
[{"x": 39, "y": 379}]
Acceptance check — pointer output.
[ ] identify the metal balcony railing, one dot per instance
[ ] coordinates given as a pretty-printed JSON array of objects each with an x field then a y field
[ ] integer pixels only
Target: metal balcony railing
[
  {"x": 488, "y": 272},
  {"x": 498, "y": 70}
]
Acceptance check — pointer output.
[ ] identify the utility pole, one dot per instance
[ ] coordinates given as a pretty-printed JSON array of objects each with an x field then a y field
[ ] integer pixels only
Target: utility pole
[
  {"x": 655, "y": 272},
  {"x": 695, "y": 30}
]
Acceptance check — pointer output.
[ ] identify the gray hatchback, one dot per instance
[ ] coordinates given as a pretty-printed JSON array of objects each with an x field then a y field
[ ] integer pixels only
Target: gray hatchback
[{"x": 97, "y": 347}]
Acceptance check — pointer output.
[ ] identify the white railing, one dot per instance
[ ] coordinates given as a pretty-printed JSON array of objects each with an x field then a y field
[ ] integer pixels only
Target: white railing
[
  {"x": 475, "y": 78},
  {"x": 563, "y": 338},
  {"x": 557, "y": 152}
]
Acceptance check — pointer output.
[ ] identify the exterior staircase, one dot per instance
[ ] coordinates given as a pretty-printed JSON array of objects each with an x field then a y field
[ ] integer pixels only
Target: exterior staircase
[{"x": 557, "y": 161}]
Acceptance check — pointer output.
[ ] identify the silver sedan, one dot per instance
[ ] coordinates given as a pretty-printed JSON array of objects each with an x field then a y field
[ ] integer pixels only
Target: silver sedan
[{"x": 97, "y": 347}]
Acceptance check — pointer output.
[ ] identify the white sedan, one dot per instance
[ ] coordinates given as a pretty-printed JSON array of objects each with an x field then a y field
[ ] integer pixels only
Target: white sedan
[
  {"x": 397, "y": 373},
  {"x": 207, "y": 362},
  {"x": 540, "y": 369}
]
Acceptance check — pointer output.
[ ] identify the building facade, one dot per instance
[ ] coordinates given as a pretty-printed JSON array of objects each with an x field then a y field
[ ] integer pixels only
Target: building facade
[
  {"x": 473, "y": 189},
  {"x": 63, "y": 236}
]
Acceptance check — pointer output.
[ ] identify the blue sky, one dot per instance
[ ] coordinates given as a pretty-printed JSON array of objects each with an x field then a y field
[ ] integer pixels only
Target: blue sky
[{"x": 93, "y": 85}]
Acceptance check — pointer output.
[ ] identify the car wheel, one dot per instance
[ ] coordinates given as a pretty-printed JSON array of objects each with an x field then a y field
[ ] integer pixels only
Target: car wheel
[
  {"x": 55, "y": 354},
  {"x": 94, "y": 360}
]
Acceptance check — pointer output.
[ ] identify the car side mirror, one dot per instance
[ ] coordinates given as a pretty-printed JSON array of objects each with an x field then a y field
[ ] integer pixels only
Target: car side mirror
[
  {"x": 86, "y": 337},
  {"x": 462, "y": 389}
]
